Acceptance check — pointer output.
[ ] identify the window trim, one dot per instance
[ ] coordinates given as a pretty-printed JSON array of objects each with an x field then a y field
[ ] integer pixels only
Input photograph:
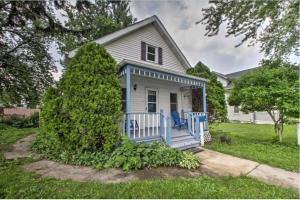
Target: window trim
[
  {"x": 155, "y": 54},
  {"x": 157, "y": 96}
]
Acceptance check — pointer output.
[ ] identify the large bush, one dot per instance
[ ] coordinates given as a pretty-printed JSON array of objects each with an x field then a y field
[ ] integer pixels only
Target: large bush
[
  {"x": 82, "y": 112},
  {"x": 216, "y": 104}
]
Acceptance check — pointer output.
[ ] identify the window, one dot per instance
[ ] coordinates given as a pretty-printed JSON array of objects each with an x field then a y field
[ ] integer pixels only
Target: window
[
  {"x": 151, "y": 53},
  {"x": 236, "y": 109},
  {"x": 173, "y": 102},
  {"x": 152, "y": 100},
  {"x": 124, "y": 99}
]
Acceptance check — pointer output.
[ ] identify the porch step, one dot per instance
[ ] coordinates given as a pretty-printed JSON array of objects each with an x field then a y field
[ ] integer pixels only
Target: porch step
[
  {"x": 182, "y": 138},
  {"x": 149, "y": 140},
  {"x": 187, "y": 144}
]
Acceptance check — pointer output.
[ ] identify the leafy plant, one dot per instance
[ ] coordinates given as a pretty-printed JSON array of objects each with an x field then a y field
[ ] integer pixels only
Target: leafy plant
[
  {"x": 82, "y": 112},
  {"x": 128, "y": 155}
]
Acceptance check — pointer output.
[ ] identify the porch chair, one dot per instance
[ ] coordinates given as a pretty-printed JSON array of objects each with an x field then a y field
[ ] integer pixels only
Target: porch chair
[
  {"x": 132, "y": 127},
  {"x": 179, "y": 123}
]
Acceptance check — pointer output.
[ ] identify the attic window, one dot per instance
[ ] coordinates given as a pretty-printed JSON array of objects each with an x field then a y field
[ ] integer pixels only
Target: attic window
[{"x": 151, "y": 53}]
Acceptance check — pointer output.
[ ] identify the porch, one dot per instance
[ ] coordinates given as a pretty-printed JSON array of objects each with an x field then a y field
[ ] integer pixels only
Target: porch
[{"x": 151, "y": 95}]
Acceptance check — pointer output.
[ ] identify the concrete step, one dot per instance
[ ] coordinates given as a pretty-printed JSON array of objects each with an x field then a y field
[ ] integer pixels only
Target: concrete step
[
  {"x": 185, "y": 144},
  {"x": 181, "y": 138}
]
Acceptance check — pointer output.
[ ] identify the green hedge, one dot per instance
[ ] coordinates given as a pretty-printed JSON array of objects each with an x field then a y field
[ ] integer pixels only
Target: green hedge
[{"x": 21, "y": 122}]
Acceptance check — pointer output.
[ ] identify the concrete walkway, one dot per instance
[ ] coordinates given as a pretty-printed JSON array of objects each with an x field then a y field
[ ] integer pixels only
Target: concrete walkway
[
  {"x": 212, "y": 163},
  {"x": 223, "y": 164}
]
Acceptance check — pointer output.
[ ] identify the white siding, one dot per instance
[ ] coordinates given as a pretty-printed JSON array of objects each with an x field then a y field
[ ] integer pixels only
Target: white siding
[
  {"x": 222, "y": 80},
  {"x": 129, "y": 47},
  {"x": 138, "y": 96}
]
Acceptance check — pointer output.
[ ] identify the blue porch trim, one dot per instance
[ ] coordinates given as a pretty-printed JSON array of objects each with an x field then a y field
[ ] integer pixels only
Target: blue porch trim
[{"x": 128, "y": 98}]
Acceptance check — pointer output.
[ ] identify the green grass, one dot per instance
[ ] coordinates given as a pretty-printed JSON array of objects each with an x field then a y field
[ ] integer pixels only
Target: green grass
[
  {"x": 258, "y": 142},
  {"x": 15, "y": 183}
]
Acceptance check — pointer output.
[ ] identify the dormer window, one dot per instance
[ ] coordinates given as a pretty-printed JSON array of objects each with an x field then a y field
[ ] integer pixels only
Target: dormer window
[{"x": 151, "y": 53}]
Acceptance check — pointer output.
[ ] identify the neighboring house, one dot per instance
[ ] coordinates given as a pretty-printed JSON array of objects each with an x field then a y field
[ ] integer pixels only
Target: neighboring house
[
  {"x": 155, "y": 83},
  {"x": 233, "y": 112}
]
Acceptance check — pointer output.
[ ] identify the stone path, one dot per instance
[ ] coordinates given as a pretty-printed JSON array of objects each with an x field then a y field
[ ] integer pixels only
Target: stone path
[
  {"x": 53, "y": 169},
  {"x": 21, "y": 149},
  {"x": 223, "y": 164},
  {"x": 212, "y": 163}
]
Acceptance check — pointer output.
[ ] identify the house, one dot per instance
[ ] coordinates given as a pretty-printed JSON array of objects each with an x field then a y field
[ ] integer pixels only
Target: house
[
  {"x": 233, "y": 112},
  {"x": 155, "y": 83}
]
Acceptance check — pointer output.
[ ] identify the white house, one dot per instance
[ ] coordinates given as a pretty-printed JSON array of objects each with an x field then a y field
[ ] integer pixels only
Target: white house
[
  {"x": 155, "y": 83},
  {"x": 233, "y": 112}
]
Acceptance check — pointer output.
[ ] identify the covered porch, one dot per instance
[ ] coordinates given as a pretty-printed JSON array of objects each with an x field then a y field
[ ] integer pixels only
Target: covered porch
[{"x": 151, "y": 95}]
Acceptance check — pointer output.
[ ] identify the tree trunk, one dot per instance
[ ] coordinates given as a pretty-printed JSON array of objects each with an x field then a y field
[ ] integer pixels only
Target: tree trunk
[{"x": 278, "y": 124}]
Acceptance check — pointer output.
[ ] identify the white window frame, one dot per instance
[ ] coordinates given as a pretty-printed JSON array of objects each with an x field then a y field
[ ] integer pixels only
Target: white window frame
[
  {"x": 157, "y": 96},
  {"x": 155, "y": 55}
]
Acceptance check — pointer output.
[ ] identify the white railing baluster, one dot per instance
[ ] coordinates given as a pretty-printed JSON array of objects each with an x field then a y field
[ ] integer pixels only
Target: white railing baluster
[
  {"x": 133, "y": 126},
  {"x": 139, "y": 124},
  {"x": 144, "y": 134},
  {"x": 153, "y": 128},
  {"x": 157, "y": 116},
  {"x": 148, "y": 124}
]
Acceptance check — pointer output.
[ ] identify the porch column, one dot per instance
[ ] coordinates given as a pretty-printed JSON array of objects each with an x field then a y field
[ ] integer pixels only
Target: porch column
[
  {"x": 128, "y": 100},
  {"x": 204, "y": 105},
  {"x": 204, "y": 97}
]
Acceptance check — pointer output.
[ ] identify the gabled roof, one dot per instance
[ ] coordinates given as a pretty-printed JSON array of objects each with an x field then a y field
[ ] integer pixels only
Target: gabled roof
[
  {"x": 136, "y": 26},
  {"x": 238, "y": 74},
  {"x": 220, "y": 75}
]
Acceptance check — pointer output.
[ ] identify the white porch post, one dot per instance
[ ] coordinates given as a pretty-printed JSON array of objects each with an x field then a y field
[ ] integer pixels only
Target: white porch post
[{"x": 128, "y": 100}]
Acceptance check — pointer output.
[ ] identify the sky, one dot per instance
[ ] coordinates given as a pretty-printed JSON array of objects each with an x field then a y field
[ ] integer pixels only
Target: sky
[{"x": 179, "y": 18}]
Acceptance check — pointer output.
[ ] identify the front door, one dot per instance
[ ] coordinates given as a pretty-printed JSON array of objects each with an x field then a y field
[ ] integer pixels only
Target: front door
[{"x": 152, "y": 100}]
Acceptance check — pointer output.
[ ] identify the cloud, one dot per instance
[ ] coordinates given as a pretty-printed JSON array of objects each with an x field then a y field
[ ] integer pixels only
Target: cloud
[{"x": 218, "y": 52}]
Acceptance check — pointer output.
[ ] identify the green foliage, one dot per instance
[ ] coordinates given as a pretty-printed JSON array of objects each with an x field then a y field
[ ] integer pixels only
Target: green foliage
[
  {"x": 21, "y": 122},
  {"x": 83, "y": 111},
  {"x": 216, "y": 105},
  {"x": 30, "y": 28},
  {"x": 275, "y": 24},
  {"x": 128, "y": 155},
  {"x": 274, "y": 87},
  {"x": 257, "y": 142},
  {"x": 16, "y": 183}
]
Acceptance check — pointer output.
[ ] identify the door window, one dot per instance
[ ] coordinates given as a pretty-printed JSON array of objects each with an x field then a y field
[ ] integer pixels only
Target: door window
[
  {"x": 173, "y": 101},
  {"x": 152, "y": 101}
]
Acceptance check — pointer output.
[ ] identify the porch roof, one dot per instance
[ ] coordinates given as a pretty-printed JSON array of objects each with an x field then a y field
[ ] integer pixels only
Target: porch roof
[{"x": 152, "y": 71}]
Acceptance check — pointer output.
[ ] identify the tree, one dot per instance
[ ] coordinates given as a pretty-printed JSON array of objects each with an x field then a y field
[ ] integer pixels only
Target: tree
[
  {"x": 275, "y": 24},
  {"x": 216, "y": 105},
  {"x": 274, "y": 88},
  {"x": 82, "y": 113},
  {"x": 29, "y": 27}
]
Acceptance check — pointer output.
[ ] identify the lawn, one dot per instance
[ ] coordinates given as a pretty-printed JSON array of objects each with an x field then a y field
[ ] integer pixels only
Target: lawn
[
  {"x": 257, "y": 142},
  {"x": 15, "y": 183}
]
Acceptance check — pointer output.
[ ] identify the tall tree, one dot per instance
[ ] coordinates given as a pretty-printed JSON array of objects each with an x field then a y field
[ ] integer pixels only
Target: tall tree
[
  {"x": 216, "y": 105},
  {"x": 275, "y": 23},
  {"x": 274, "y": 88},
  {"x": 27, "y": 28}
]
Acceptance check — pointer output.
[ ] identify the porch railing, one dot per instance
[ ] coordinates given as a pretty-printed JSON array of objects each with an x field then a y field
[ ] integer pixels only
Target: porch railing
[
  {"x": 196, "y": 125},
  {"x": 147, "y": 126},
  {"x": 143, "y": 126}
]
